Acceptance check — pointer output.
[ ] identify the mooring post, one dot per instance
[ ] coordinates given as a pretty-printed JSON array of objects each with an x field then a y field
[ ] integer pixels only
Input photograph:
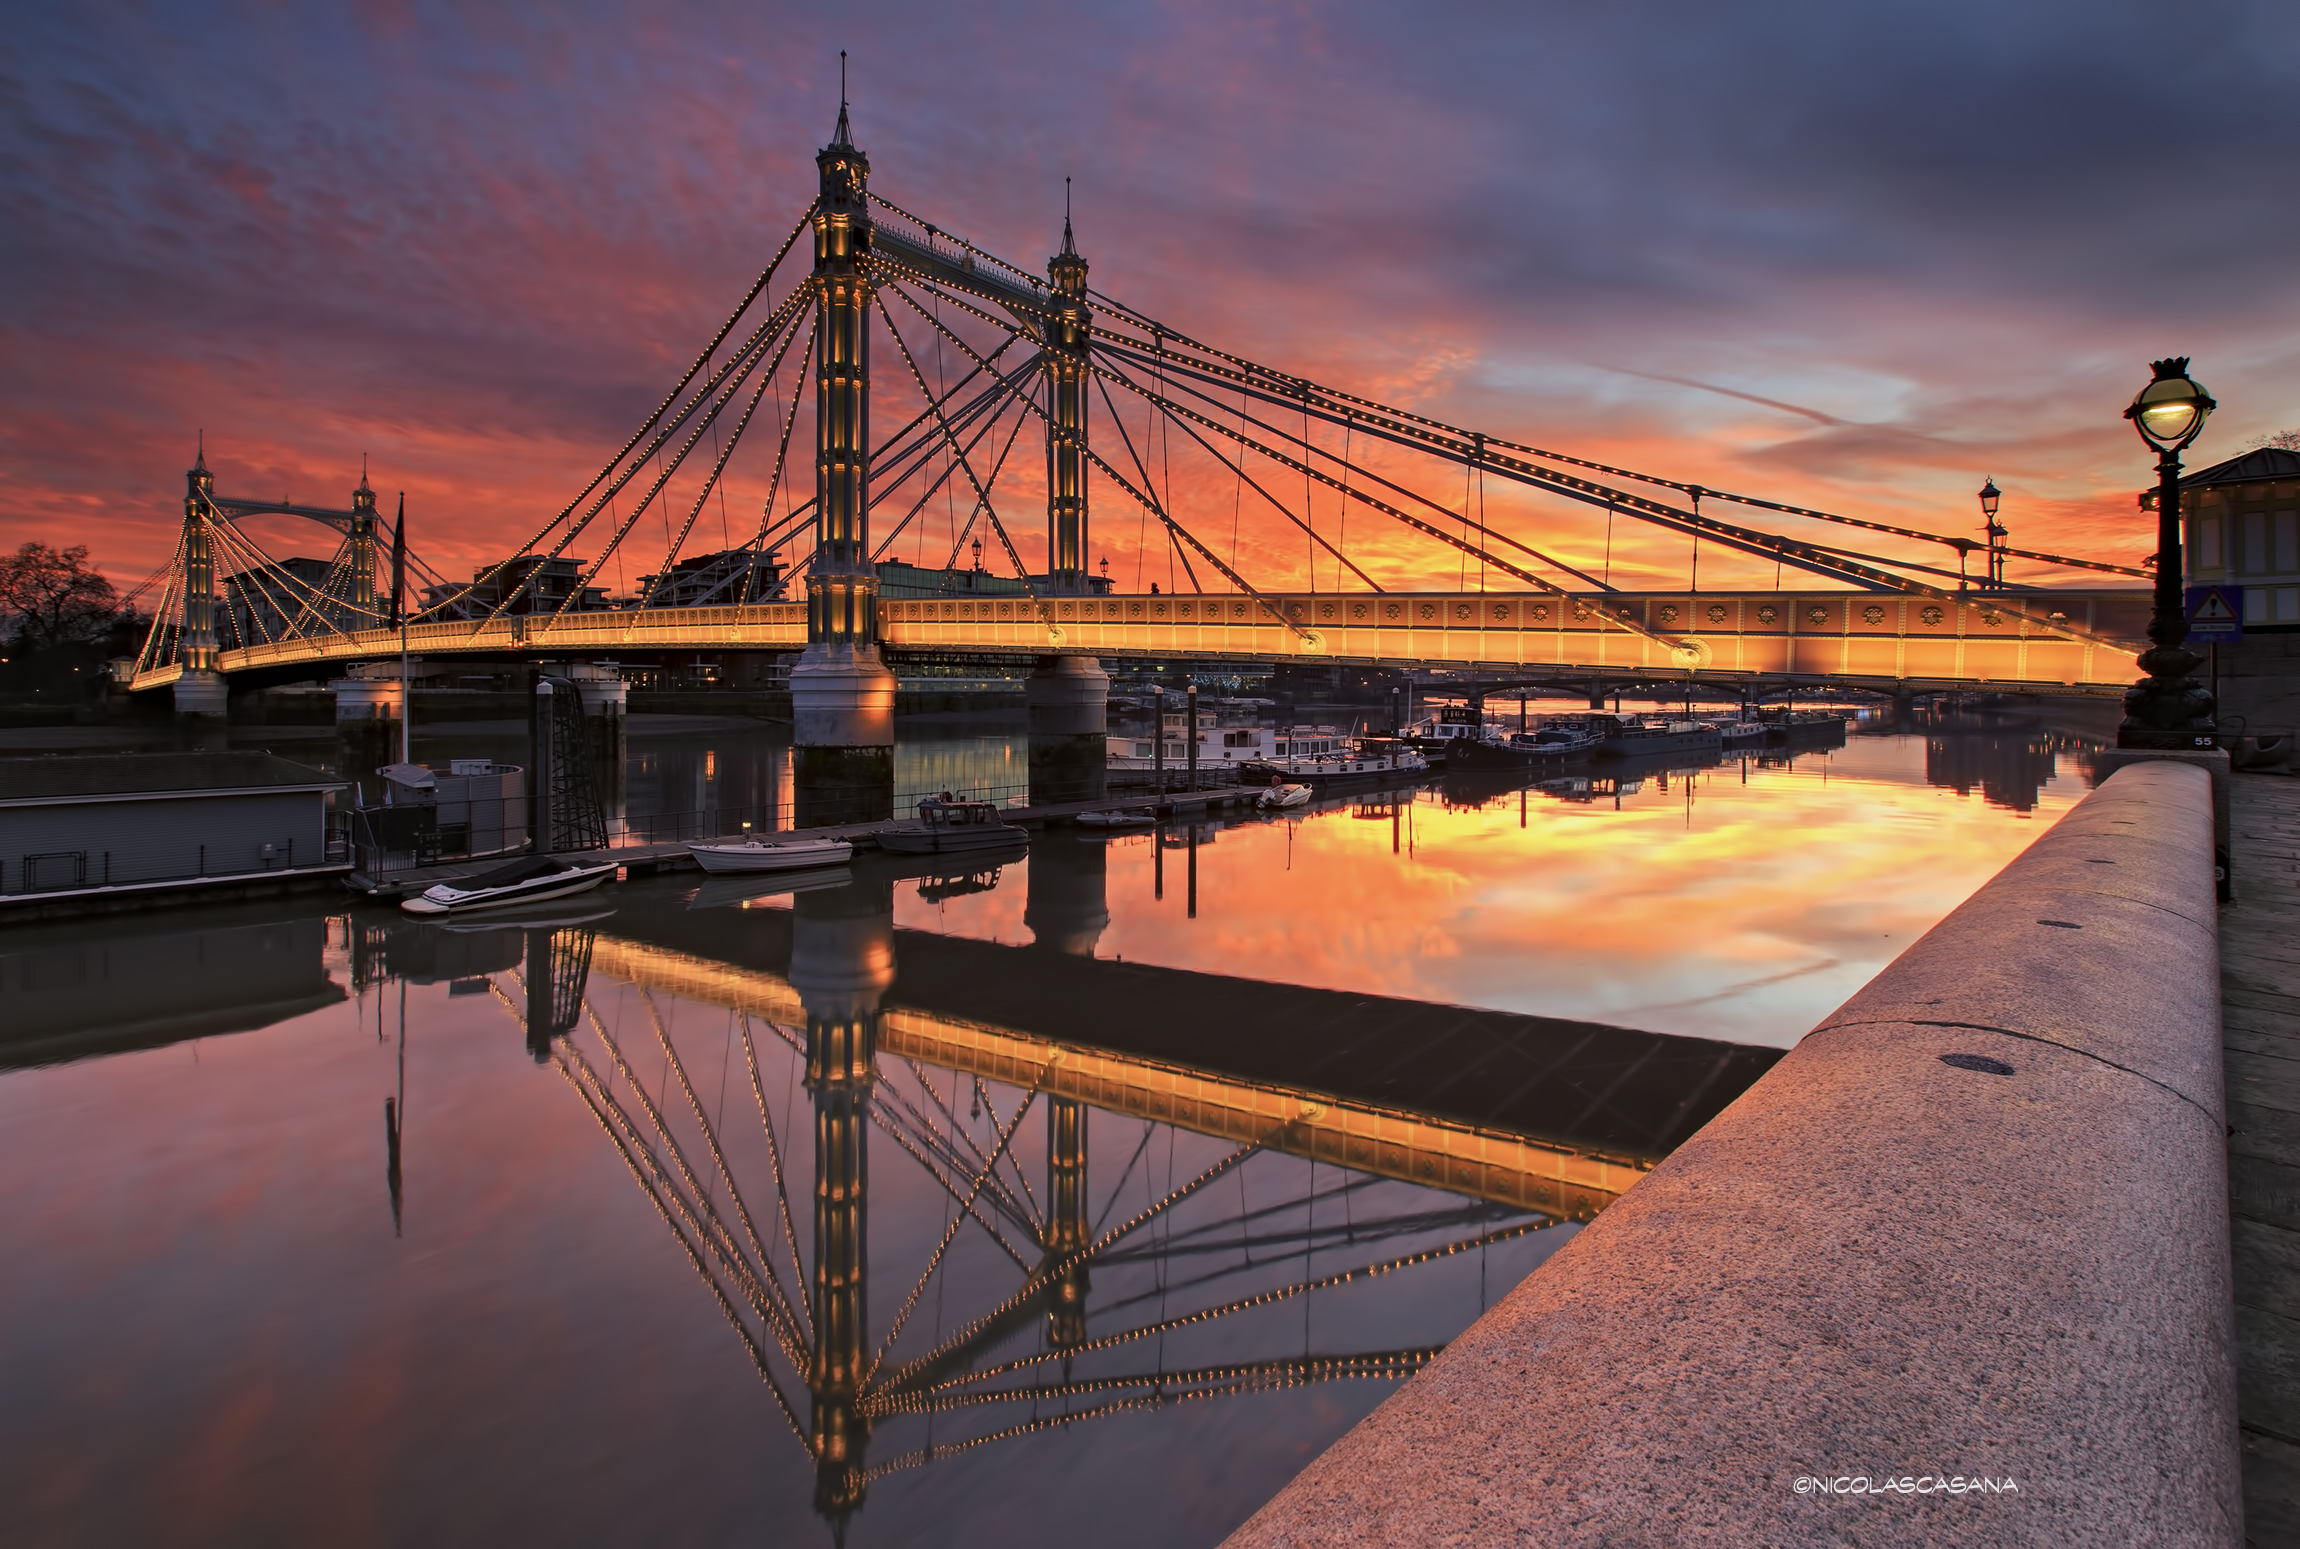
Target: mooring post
[
  {"x": 1158, "y": 745},
  {"x": 1190, "y": 733}
]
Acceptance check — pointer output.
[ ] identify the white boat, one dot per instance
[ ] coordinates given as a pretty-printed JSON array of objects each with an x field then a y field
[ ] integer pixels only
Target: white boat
[
  {"x": 522, "y": 882},
  {"x": 748, "y": 855},
  {"x": 1279, "y": 797},
  {"x": 1744, "y": 734},
  {"x": 1131, "y": 817}
]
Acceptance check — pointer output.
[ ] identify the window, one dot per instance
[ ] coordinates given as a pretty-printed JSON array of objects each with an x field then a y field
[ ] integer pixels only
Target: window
[
  {"x": 2287, "y": 530},
  {"x": 2207, "y": 555},
  {"x": 2255, "y": 542},
  {"x": 1142, "y": 750},
  {"x": 2288, "y": 605},
  {"x": 63, "y": 868},
  {"x": 2255, "y": 605}
]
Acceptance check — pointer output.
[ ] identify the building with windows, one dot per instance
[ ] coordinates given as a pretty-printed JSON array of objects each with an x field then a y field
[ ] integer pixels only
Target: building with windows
[
  {"x": 2242, "y": 531},
  {"x": 130, "y": 822}
]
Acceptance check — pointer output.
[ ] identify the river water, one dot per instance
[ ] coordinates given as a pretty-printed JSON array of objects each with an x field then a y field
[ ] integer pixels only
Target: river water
[{"x": 1081, "y": 1194}]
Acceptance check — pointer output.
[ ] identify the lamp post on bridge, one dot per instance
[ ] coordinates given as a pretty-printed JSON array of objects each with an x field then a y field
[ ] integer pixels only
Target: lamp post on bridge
[
  {"x": 2168, "y": 709},
  {"x": 1995, "y": 534}
]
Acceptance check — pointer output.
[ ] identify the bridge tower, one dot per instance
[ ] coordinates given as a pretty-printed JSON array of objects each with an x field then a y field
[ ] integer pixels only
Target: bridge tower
[
  {"x": 842, "y": 960},
  {"x": 1067, "y": 375},
  {"x": 1068, "y": 1230},
  {"x": 842, "y": 695},
  {"x": 200, "y": 688},
  {"x": 1068, "y": 695},
  {"x": 359, "y": 554}
]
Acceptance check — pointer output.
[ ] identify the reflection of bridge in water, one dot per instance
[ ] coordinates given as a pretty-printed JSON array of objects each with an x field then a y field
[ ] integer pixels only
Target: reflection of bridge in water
[
  {"x": 1223, "y": 1171},
  {"x": 1386, "y": 1137}
]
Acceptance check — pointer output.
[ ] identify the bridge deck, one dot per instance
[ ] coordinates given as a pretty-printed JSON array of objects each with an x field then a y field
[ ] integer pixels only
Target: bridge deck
[{"x": 2056, "y": 641}]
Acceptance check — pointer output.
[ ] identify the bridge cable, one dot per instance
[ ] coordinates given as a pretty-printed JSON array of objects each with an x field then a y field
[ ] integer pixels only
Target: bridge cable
[
  {"x": 1400, "y": 432},
  {"x": 758, "y": 286},
  {"x": 975, "y": 511},
  {"x": 738, "y": 368},
  {"x": 733, "y": 375},
  {"x": 1368, "y": 473},
  {"x": 715, "y": 478},
  {"x": 1412, "y": 521},
  {"x": 1276, "y": 504},
  {"x": 965, "y": 466},
  {"x": 1405, "y": 418},
  {"x": 946, "y": 479}
]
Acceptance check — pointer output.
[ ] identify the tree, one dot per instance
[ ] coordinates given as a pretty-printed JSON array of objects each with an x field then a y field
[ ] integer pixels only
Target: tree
[
  {"x": 2284, "y": 440},
  {"x": 54, "y": 597}
]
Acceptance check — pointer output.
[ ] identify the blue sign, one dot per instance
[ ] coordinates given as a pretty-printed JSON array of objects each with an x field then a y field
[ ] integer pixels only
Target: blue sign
[{"x": 2216, "y": 613}]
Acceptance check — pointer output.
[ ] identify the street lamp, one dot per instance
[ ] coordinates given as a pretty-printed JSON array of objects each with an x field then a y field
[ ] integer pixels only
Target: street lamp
[
  {"x": 2168, "y": 708},
  {"x": 1996, "y": 535}
]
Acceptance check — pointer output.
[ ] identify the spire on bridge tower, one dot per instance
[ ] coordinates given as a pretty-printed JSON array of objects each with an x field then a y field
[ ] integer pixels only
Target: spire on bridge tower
[{"x": 842, "y": 136}]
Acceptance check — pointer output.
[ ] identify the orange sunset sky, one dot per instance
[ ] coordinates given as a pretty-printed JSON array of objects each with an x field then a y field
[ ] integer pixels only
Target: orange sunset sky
[{"x": 1855, "y": 258}]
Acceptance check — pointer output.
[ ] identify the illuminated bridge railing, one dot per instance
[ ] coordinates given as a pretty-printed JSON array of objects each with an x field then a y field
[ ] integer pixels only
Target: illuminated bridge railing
[{"x": 2044, "y": 641}]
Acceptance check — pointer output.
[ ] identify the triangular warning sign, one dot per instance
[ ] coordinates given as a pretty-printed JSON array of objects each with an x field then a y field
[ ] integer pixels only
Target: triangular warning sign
[{"x": 2212, "y": 608}]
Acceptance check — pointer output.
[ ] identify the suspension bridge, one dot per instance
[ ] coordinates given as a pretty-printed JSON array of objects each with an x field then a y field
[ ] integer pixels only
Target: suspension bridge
[{"x": 899, "y": 321}]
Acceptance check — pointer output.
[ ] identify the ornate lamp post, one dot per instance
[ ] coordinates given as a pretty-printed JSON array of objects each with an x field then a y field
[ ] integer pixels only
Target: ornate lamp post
[
  {"x": 1996, "y": 535},
  {"x": 2168, "y": 708}
]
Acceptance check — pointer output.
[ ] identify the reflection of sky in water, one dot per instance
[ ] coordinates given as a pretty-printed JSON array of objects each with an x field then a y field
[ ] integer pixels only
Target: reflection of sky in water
[{"x": 1738, "y": 911}]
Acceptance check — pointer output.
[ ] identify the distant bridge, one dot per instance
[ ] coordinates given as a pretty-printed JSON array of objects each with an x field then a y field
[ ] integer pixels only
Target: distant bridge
[{"x": 2086, "y": 642}]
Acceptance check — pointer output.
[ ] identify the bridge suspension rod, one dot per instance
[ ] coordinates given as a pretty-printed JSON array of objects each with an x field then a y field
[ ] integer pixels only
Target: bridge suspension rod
[
  {"x": 1346, "y": 464},
  {"x": 718, "y": 470},
  {"x": 950, "y": 438},
  {"x": 1144, "y": 498},
  {"x": 1237, "y": 468},
  {"x": 718, "y": 391}
]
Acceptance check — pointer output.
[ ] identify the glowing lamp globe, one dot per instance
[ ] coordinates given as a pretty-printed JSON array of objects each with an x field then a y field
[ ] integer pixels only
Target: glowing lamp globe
[{"x": 2171, "y": 409}]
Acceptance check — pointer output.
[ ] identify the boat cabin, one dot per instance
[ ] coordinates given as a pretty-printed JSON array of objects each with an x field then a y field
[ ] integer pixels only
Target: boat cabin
[{"x": 937, "y": 813}]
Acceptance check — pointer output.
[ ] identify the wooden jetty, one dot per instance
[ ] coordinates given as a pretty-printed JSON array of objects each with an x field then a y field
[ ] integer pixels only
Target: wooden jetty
[{"x": 640, "y": 860}]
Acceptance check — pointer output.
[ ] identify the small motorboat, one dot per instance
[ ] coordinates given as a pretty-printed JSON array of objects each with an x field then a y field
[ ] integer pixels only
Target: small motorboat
[
  {"x": 952, "y": 826},
  {"x": 1280, "y": 797},
  {"x": 1131, "y": 817},
  {"x": 747, "y": 855},
  {"x": 522, "y": 882}
]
